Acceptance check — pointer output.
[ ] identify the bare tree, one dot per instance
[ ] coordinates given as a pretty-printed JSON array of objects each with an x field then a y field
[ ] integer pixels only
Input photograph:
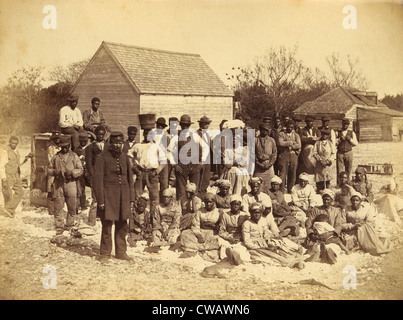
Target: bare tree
[
  {"x": 344, "y": 71},
  {"x": 68, "y": 74}
]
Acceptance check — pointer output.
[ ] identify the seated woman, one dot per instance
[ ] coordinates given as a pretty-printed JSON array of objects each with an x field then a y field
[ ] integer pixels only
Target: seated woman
[
  {"x": 140, "y": 224},
  {"x": 255, "y": 195},
  {"x": 202, "y": 236},
  {"x": 322, "y": 227},
  {"x": 313, "y": 241},
  {"x": 282, "y": 213},
  {"x": 190, "y": 204},
  {"x": 166, "y": 219},
  {"x": 256, "y": 238},
  {"x": 359, "y": 229},
  {"x": 361, "y": 184},
  {"x": 230, "y": 232},
  {"x": 343, "y": 191},
  {"x": 223, "y": 195}
]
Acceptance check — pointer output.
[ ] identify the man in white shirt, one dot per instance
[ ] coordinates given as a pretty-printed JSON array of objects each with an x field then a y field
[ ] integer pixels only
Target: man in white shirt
[{"x": 71, "y": 120}]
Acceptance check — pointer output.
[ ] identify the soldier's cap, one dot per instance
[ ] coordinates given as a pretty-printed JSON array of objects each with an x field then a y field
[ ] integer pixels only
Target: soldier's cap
[
  {"x": 325, "y": 118},
  {"x": 267, "y": 119},
  {"x": 83, "y": 136},
  {"x": 190, "y": 187},
  {"x": 235, "y": 197},
  {"x": 265, "y": 126},
  {"x": 72, "y": 97},
  {"x": 161, "y": 121},
  {"x": 309, "y": 118},
  {"x": 256, "y": 206},
  {"x": 116, "y": 134},
  {"x": 276, "y": 179},
  {"x": 132, "y": 129},
  {"x": 185, "y": 119},
  {"x": 65, "y": 141}
]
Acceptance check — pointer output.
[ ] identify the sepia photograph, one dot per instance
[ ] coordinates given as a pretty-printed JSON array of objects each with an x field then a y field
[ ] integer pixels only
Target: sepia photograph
[{"x": 202, "y": 155}]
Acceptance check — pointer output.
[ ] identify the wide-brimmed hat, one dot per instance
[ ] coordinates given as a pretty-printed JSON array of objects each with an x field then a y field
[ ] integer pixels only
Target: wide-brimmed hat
[
  {"x": 161, "y": 121},
  {"x": 204, "y": 119},
  {"x": 65, "y": 141},
  {"x": 185, "y": 119}
]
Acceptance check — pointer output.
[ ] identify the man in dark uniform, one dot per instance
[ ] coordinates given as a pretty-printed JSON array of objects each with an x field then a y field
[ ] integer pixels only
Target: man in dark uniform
[{"x": 114, "y": 190}]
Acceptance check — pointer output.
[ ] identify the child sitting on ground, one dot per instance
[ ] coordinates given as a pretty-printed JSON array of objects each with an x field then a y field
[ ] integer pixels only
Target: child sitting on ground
[{"x": 321, "y": 226}]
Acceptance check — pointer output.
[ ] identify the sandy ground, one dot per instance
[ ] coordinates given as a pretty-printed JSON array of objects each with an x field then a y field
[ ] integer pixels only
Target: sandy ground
[{"x": 26, "y": 249}]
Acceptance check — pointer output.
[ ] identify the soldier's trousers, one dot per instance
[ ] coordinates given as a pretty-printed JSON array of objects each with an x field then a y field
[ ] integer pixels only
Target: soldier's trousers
[{"x": 121, "y": 229}]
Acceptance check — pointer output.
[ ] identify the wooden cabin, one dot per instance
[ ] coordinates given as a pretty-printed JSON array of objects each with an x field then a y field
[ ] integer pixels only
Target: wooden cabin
[{"x": 131, "y": 80}]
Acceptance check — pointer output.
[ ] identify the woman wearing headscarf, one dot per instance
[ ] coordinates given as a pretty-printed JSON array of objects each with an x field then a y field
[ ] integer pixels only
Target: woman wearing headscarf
[
  {"x": 361, "y": 184},
  {"x": 223, "y": 195},
  {"x": 230, "y": 232},
  {"x": 359, "y": 229},
  {"x": 343, "y": 191},
  {"x": 166, "y": 219},
  {"x": 203, "y": 234},
  {"x": 190, "y": 204},
  {"x": 315, "y": 243}
]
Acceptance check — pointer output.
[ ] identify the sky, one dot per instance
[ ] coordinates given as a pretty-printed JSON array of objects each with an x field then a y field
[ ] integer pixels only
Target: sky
[{"x": 226, "y": 34}]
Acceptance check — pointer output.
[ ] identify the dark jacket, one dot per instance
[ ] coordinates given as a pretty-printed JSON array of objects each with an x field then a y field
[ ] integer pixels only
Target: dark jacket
[{"x": 113, "y": 186}]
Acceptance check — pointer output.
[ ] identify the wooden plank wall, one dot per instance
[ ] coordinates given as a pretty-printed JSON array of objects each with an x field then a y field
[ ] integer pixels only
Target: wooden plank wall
[
  {"x": 374, "y": 126},
  {"x": 119, "y": 101},
  {"x": 216, "y": 108}
]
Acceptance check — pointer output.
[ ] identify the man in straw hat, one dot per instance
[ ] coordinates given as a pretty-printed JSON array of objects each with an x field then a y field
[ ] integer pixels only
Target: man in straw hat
[
  {"x": 71, "y": 120},
  {"x": 114, "y": 191},
  {"x": 66, "y": 168}
]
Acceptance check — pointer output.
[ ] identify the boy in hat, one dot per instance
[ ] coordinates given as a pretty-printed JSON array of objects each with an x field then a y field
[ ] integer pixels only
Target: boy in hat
[
  {"x": 114, "y": 191},
  {"x": 66, "y": 168},
  {"x": 71, "y": 120},
  {"x": 346, "y": 140},
  {"x": 325, "y": 125}
]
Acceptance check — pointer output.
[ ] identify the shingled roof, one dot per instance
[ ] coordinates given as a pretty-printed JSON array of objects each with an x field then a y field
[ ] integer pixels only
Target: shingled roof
[
  {"x": 337, "y": 101},
  {"x": 165, "y": 72}
]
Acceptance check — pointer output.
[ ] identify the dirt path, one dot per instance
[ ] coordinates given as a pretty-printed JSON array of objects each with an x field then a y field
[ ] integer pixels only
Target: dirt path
[{"x": 25, "y": 249}]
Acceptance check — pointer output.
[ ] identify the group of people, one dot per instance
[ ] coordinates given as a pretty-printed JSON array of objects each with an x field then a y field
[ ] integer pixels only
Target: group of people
[{"x": 241, "y": 194}]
